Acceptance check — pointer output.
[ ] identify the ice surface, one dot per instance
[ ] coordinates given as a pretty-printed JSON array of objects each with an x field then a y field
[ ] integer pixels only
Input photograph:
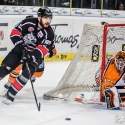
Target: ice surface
[{"x": 23, "y": 110}]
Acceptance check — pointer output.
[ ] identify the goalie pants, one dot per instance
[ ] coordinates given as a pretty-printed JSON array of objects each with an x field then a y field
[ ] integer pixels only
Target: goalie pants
[{"x": 11, "y": 61}]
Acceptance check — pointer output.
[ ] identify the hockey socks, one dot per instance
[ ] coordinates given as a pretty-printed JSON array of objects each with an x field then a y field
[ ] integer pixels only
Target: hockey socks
[{"x": 18, "y": 84}]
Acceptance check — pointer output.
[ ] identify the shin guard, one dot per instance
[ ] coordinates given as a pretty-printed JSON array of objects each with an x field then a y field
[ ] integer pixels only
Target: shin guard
[{"x": 112, "y": 98}]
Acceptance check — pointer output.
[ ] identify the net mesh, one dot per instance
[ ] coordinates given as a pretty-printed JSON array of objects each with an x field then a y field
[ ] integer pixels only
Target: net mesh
[{"x": 79, "y": 77}]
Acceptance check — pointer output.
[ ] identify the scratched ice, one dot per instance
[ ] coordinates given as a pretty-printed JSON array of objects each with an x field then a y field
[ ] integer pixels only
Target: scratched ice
[{"x": 23, "y": 110}]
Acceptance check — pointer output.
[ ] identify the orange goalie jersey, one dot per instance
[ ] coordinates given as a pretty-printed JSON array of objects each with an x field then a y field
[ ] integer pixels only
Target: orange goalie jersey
[{"x": 114, "y": 74}]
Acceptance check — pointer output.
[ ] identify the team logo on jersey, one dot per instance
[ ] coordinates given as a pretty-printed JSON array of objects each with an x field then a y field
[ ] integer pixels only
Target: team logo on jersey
[
  {"x": 95, "y": 53},
  {"x": 40, "y": 34},
  {"x": 30, "y": 29}
]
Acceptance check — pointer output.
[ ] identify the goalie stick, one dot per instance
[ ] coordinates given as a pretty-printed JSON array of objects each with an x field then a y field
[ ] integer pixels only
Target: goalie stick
[{"x": 38, "y": 105}]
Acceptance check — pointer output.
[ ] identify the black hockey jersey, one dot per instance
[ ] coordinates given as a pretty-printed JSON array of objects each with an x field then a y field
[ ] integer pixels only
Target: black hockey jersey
[{"x": 35, "y": 38}]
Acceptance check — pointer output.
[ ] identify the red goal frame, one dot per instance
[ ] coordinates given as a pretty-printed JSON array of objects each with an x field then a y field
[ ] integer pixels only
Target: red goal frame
[{"x": 104, "y": 47}]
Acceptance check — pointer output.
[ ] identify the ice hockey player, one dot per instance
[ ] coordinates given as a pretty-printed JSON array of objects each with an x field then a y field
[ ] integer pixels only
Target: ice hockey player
[
  {"x": 33, "y": 39},
  {"x": 113, "y": 81},
  {"x": 15, "y": 73}
]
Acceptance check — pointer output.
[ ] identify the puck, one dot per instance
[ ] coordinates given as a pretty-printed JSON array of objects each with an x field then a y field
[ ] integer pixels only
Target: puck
[{"x": 67, "y": 118}]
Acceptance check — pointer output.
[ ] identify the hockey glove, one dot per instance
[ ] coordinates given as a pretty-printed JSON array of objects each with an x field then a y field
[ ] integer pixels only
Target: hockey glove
[
  {"x": 29, "y": 57},
  {"x": 52, "y": 51},
  {"x": 19, "y": 46},
  {"x": 33, "y": 59}
]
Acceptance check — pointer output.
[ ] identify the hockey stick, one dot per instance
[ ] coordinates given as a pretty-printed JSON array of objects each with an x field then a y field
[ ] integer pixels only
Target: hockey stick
[{"x": 38, "y": 105}]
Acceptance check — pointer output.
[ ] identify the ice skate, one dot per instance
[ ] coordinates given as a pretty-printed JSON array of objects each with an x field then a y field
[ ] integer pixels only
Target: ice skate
[
  {"x": 6, "y": 87},
  {"x": 7, "y": 99}
]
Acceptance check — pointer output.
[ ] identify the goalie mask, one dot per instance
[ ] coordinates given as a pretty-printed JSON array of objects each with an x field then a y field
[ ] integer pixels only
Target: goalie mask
[{"x": 120, "y": 61}]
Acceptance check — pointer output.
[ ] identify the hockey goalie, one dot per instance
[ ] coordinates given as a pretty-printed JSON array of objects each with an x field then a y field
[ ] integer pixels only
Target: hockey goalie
[{"x": 113, "y": 81}]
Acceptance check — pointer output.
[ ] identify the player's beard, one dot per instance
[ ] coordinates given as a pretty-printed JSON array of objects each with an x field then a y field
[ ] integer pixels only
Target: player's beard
[{"x": 44, "y": 25}]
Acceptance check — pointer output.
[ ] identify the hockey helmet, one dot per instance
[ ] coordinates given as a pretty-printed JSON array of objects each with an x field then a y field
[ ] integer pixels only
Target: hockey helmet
[
  {"x": 44, "y": 11},
  {"x": 120, "y": 60}
]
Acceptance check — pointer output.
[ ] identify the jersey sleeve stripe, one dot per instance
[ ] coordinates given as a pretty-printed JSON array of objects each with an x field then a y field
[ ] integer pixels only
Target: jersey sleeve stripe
[
  {"x": 14, "y": 32},
  {"x": 43, "y": 49}
]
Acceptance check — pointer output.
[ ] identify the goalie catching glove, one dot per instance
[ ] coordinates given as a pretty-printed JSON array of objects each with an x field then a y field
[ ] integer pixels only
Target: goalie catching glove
[{"x": 52, "y": 51}]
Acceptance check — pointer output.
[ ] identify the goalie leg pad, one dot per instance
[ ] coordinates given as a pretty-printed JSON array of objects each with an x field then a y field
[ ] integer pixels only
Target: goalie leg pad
[{"x": 112, "y": 98}]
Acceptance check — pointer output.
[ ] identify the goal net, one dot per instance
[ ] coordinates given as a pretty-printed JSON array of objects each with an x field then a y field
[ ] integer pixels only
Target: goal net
[{"x": 98, "y": 42}]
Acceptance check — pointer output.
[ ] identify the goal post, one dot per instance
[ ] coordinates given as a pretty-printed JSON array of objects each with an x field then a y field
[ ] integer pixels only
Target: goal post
[
  {"x": 98, "y": 42},
  {"x": 106, "y": 39}
]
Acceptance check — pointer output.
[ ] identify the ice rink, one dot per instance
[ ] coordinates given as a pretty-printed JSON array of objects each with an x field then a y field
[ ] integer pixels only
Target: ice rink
[{"x": 23, "y": 110}]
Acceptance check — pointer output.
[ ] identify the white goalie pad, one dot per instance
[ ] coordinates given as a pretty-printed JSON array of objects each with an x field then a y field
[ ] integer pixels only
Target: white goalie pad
[{"x": 112, "y": 98}]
